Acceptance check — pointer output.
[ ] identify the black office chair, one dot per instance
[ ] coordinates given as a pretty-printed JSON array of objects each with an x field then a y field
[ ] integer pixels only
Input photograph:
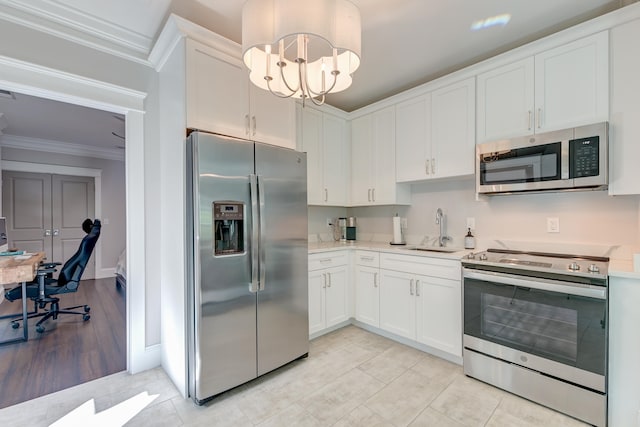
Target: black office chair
[{"x": 44, "y": 287}]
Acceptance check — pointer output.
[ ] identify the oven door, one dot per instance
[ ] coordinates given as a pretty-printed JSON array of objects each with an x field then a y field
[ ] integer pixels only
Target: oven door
[{"x": 555, "y": 327}]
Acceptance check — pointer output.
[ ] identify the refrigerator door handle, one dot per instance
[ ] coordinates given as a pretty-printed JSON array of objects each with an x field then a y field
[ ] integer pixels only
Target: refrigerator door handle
[
  {"x": 262, "y": 263},
  {"x": 255, "y": 229}
]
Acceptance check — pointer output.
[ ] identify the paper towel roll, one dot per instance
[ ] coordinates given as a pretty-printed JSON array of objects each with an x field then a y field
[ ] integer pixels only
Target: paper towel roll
[{"x": 397, "y": 230}]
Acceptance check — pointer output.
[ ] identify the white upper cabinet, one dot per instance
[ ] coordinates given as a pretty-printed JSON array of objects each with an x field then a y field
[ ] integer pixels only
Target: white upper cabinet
[
  {"x": 453, "y": 138},
  {"x": 413, "y": 139},
  {"x": 220, "y": 99},
  {"x": 624, "y": 126},
  {"x": 563, "y": 87},
  {"x": 435, "y": 133},
  {"x": 324, "y": 139},
  {"x": 373, "y": 166},
  {"x": 505, "y": 101}
]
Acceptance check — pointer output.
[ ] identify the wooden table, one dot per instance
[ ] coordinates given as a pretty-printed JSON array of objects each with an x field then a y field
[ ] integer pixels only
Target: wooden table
[{"x": 17, "y": 269}]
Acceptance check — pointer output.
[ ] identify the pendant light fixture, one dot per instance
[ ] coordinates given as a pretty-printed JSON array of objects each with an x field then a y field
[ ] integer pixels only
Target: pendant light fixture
[{"x": 301, "y": 48}]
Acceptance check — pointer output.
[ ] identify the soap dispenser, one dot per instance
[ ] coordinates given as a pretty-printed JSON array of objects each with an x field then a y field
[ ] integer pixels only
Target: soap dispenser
[{"x": 469, "y": 240}]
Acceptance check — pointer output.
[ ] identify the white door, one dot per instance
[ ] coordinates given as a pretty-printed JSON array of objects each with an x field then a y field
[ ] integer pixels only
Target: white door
[
  {"x": 398, "y": 303},
  {"x": 439, "y": 314},
  {"x": 367, "y": 295},
  {"x": 572, "y": 84},
  {"x": 334, "y": 160},
  {"x": 312, "y": 145},
  {"x": 505, "y": 101},
  {"x": 45, "y": 213},
  {"x": 317, "y": 283},
  {"x": 336, "y": 296},
  {"x": 453, "y": 130},
  {"x": 361, "y": 160},
  {"x": 384, "y": 146},
  {"x": 413, "y": 139}
]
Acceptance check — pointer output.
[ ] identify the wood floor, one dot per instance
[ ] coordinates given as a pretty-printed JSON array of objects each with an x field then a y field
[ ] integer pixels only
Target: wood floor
[{"x": 70, "y": 351}]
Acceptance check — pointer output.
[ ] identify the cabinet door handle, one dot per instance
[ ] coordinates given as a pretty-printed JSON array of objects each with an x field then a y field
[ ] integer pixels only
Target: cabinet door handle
[
  {"x": 426, "y": 166},
  {"x": 323, "y": 260},
  {"x": 47, "y": 233},
  {"x": 366, "y": 258},
  {"x": 368, "y": 194},
  {"x": 539, "y": 117},
  {"x": 530, "y": 121},
  {"x": 417, "y": 288},
  {"x": 253, "y": 120},
  {"x": 375, "y": 280},
  {"x": 373, "y": 194},
  {"x": 329, "y": 277},
  {"x": 324, "y": 278},
  {"x": 433, "y": 166},
  {"x": 411, "y": 287},
  {"x": 326, "y": 195},
  {"x": 246, "y": 124}
]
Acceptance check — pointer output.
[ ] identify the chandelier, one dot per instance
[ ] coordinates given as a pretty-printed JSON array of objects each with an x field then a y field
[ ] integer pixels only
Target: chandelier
[{"x": 301, "y": 48}]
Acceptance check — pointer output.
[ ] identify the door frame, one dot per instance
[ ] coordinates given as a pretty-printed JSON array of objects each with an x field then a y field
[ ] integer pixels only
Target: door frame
[
  {"x": 50, "y": 83},
  {"x": 96, "y": 174}
]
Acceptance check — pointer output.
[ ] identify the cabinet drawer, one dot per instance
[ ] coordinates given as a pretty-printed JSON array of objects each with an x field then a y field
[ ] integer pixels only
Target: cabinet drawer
[
  {"x": 434, "y": 267},
  {"x": 369, "y": 258},
  {"x": 327, "y": 259}
]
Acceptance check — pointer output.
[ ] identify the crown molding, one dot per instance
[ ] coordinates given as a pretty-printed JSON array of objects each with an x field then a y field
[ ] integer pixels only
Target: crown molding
[
  {"x": 78, "y": 27},
  {"x": 177, "y": 28},
  {"x": 68, "y": 148}
]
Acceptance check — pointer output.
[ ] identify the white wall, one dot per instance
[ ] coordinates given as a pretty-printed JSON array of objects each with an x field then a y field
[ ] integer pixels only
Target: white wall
[{"x": 589, "y": 217}]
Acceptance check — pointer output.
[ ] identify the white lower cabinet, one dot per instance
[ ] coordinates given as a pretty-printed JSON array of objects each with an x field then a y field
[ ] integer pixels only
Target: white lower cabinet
[
  {"x": 398, "y": 303},
  {"x": 328, "y": 290},
  {"x": 420, "y": 299},
  {"x": 367, "y": 279}
]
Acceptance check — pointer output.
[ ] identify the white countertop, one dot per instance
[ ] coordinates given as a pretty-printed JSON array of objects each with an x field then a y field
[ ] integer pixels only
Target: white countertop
[
  {"x": 319, "y": 247},
  {"x": 618, "y": 267}
]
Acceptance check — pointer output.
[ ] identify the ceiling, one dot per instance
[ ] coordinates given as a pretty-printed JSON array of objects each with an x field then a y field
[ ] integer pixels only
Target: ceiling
[{"x": 404, "y": 43}]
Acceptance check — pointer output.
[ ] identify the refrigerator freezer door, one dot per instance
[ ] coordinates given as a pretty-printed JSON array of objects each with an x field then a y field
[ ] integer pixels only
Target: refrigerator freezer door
[
  {"x": 223, "y": 337},
  {"x": 283, "y": 322}
]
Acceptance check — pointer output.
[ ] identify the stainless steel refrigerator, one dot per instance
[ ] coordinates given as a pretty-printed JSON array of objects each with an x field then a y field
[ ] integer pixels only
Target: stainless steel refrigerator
[{"x": 247, "y": 261}]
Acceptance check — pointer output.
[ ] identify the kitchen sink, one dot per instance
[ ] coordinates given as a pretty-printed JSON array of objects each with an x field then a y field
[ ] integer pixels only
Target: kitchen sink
[{"x": 433, "y": 249}]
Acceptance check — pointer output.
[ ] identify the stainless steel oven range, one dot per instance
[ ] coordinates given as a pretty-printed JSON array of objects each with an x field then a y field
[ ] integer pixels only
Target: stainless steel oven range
[{"x": 535, "y": 324}]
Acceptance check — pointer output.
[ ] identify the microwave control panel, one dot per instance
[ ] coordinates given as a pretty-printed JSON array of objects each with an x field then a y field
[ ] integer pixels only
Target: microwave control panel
[{"x": 584, "y": 154}]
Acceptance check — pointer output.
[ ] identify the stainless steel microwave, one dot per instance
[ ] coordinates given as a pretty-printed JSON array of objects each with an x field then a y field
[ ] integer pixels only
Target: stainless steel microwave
[{"x": 568, "y": 159}]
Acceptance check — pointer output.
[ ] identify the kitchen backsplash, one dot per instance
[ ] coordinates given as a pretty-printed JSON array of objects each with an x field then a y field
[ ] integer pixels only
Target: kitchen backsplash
[{"x": 585, "y": 217}]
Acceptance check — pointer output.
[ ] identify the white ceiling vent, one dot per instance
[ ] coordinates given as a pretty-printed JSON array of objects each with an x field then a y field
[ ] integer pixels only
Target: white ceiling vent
[{"x": 7, "y": 94}]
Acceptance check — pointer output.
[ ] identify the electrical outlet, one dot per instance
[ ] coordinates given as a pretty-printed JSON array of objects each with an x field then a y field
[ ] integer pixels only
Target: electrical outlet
[
  {"x": 553, "y": 225},
  {"x": 471, "y": 223},
  {"x": 328, "y": 222}
]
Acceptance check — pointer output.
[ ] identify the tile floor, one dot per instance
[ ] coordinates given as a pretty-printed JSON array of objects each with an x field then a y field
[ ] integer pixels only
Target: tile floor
[{"x": 351, "y": 378}]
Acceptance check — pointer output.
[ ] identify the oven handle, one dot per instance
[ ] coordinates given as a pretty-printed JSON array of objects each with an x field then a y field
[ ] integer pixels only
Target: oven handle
[{"x": 578, "y": 289}]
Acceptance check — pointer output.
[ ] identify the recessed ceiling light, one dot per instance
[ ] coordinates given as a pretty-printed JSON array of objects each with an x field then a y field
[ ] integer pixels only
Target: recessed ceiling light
[
  {"x": 7, "y": 94},
  {"x": 492, "y": 21}
]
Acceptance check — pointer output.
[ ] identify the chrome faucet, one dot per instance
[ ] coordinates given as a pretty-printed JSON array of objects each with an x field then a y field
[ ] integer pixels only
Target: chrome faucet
[{"x": 442, "y": 238}]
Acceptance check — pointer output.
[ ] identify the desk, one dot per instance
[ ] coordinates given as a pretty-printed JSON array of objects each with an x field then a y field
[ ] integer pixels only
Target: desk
[{"x": 17, "y": 270}]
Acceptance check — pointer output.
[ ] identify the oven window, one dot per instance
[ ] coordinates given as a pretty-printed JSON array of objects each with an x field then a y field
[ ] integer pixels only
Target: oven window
[
  {"x": 565, "y": 328},
  {"x": 531, "y": 164},
  {"x": 550, "y": 330}
]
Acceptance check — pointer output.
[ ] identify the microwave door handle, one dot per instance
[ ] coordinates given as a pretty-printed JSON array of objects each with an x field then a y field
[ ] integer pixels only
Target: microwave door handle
[{"x": 255, "y": 230}]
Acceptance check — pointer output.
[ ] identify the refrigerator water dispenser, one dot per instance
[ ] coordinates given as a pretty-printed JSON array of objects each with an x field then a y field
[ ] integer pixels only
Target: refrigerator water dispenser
[{"x": 228, "y": 227}]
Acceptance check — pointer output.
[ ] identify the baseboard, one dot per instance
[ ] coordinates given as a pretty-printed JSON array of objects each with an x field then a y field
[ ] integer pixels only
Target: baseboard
[
  {"x": 427, "y": 349},
  {"x": 330, "y": 329},
  {"x": 103, "y": 273},
  {"x": 150, "y": 358}
]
